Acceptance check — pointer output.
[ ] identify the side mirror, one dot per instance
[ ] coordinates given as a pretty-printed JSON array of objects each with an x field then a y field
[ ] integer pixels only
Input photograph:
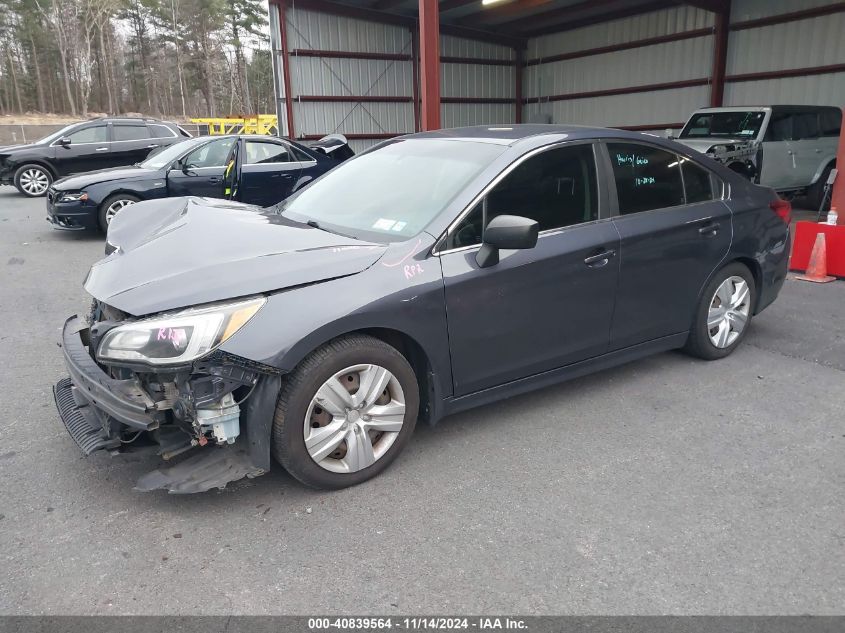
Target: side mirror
[
  {"x": 508, "y": 232},
  {"x": 64, "y": 141}
]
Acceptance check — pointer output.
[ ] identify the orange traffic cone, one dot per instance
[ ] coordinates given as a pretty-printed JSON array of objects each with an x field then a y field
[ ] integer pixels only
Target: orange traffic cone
[{"x": 817, "y": 268}]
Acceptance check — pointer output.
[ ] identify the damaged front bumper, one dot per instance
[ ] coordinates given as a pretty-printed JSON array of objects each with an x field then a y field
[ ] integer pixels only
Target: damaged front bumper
[{"x": 188, "y": 409}]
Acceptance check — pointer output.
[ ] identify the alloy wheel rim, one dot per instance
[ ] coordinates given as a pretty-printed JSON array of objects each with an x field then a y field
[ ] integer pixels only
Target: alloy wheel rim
[
  {"x": 728, "y": 313},
  {"x": 116, "y": 206},
  {"x": 354, "y": 418},
  {"x": 34, "y": 181}
]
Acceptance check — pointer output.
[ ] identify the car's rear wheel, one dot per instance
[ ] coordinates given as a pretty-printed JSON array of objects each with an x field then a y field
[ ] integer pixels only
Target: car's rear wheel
[
  {"x": 33, "y": 180},
  {"x": 723, "y": 314},
  {"x": 112, "y": 205},
  {"x": 345, "y": 412}
]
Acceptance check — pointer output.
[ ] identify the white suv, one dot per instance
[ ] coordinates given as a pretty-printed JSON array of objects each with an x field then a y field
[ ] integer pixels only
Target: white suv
[{"x": 789, "y": 148}]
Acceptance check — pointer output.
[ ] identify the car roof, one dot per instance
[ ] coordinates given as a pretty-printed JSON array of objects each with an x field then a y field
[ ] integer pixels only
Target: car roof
[{"x": 514, "y": 134}]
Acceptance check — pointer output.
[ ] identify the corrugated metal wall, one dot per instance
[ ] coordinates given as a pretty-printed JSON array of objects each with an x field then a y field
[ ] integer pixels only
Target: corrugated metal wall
[
  {"x": 659, "y": 63},
  {"x": 330, "y": 77},
  {"x": 805, "y": 43},
  {"x": 476, "y": 81}
]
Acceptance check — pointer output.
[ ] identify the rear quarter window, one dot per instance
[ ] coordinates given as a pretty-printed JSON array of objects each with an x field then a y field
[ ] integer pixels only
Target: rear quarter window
[{"x": 646, "y": 177}]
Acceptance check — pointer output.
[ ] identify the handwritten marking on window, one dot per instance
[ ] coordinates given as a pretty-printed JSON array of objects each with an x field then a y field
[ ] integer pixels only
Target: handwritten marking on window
[
  {"x": 630, "y": 159},
  {"x": 645, "y": 180}
]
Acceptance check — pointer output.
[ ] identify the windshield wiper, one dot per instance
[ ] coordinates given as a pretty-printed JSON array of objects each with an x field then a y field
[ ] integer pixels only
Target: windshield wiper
[{"x": 317, "y": 225}]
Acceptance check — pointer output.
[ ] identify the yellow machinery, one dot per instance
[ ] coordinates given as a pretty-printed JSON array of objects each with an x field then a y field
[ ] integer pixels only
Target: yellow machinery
[{"x": 258, "y": 124}]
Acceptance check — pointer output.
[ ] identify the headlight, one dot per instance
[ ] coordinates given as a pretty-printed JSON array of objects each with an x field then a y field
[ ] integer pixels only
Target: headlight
[
  {"x": 177, "y": 338},
  {"x": 79, "y": 196}
]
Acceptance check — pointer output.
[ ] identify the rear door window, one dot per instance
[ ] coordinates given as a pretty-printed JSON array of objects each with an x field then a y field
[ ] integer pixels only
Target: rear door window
[
  {"x": 130, "y": 132},
  {"x": 261, "y": 152},
  {"x": 830, "y": 121},
  {"x": 805, "y": 126},
  {"x": 646, "y": 177}
]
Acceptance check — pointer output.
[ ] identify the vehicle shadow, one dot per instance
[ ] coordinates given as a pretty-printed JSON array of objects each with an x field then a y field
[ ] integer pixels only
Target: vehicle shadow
[{"x": 278, "y": 489}]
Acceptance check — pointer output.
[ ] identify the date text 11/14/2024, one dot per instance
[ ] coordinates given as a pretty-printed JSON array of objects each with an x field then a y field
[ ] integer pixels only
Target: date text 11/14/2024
[{"x": 417, "y": 623}]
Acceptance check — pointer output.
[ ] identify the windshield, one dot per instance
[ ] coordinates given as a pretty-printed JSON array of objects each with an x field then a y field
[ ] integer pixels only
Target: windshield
[
  {"x": 393, "y": 192},
  {"x": 162, "y": 157},
  {"x": 56, "y": 135},
  {"x": 727, "y": 124}
]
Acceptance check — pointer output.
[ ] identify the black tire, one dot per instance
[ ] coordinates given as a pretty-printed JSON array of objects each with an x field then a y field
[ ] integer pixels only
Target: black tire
[
  {"x": 288, "y": 441},
  {"x": 815, "y": 192},
  {"x": 699, "y": 343},
  {"x": 104, "y": 207},
  {"x": 44, "y": 175}
]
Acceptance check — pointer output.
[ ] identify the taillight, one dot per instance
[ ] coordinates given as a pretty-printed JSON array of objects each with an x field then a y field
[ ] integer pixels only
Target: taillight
[{"x": 783, "y": 208}]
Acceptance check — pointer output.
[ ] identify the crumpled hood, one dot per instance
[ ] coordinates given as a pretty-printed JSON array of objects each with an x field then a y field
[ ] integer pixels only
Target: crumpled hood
[
  {"x": 80, "y": 181},
  {"x": 181, "y": 252},
  {"x": 703, "y": 145}
]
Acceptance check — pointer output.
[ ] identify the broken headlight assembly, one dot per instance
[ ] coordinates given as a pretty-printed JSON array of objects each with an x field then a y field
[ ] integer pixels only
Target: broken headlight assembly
[{"x": 177, "y": 338}]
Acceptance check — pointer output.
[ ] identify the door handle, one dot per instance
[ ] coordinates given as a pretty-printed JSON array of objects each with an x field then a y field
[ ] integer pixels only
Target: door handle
[
  {"x": 214, "y": 179},
  {"x": 709, "y": 230},
  {"x": 102, "y": 149},
  {"x": 153, "y": 146},
  {"x": 600, "y": 259}
]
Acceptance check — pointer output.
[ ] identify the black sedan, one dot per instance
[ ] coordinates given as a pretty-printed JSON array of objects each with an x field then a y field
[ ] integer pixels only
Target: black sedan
[
  {"x": 94, "y": 144},
  {"x": 258, "y": 170},
  {"x": 433, "y": 273}
]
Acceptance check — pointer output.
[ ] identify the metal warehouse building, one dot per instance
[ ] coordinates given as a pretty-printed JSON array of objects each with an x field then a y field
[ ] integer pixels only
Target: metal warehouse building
[{"x": 349, "y": 66}]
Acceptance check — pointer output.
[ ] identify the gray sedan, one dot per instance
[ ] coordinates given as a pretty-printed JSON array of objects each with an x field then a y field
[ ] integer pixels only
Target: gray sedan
[{"x": 433, "y": 273}]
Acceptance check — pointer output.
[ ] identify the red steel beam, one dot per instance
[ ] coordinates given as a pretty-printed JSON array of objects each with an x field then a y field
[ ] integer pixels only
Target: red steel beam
[
  {"x": 720, "y": 56},
  {"x": 793, "y": 16},
  {"x": 415, "y": 63},
  {"x": 353, "y": 99},
  {"x": 283, "y": 33},
  {"x": 784, "y": 74},
  {"x": 838, "y": 198},
  {"x": 346, "y": 10},
  {"x": 517, "y": 80},
  {"x": 611, "y": 92},
  {"x": 477, "y": 60},
  {"x": 313, "y": 52},
  {"x": 476, "y": 100},
  {"x": 430, "y": 64},
  {"x": 624, "y": 46}
]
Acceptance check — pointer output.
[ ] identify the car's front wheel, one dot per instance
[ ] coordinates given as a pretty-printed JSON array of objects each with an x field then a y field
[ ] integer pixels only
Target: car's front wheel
[
  {"x": 345, "y": 412},
  {"x": 112, "y": 205},
  {"x": 33, "y": 180},
  {"x": 723, "y": 314}
]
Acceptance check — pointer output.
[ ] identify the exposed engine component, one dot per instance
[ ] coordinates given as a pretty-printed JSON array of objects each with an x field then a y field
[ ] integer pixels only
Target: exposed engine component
[
  {"x": 222, "y": 418},
  {"x": 743, "y": 157}
]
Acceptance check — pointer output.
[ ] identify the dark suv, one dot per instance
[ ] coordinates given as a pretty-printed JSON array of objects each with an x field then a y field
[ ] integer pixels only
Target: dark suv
[{"x": 84, "y": 146}]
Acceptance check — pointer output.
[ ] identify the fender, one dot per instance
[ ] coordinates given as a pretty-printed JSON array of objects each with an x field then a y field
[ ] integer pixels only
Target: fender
[{"x": 401, "y": 292}]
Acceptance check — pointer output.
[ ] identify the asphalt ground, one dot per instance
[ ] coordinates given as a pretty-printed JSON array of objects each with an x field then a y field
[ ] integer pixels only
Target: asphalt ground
[{"x": 669, "y": 485}]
